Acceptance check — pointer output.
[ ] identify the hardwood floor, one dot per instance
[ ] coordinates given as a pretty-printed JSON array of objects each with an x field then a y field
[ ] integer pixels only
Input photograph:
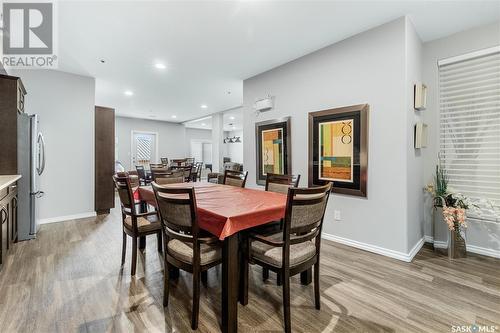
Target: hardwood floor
[{"x": 69, "y": 280}]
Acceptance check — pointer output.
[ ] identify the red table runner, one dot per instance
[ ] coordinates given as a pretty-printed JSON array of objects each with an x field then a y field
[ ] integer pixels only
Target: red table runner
[{"x": 224, "y": 210}]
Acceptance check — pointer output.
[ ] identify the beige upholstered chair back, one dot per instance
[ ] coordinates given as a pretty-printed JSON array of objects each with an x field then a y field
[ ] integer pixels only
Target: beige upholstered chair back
[
  {"x": 235, "y": 178},
  {"x": 281, "y": 183},
  {"x": 124, "y": 188},
  {"x": 164, "y": 180},
  {"x": 176, "y": 207},
  {"x": 306, "y": 208}
]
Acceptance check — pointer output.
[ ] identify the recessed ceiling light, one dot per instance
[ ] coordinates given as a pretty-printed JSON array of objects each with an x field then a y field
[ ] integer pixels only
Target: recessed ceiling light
[
  {"x": 203, "y": 124},
  {"x": 128, "y": 92},
  {"x": 174, "y": 116},
  {"x": 232, "y": 118},
  {"x": 159, "y": 65},
  {"x": 203, "y": 106}
]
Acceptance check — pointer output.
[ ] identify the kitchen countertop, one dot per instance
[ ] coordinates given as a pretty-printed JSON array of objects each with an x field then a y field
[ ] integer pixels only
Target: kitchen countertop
[{"x": 6, "y": 180}]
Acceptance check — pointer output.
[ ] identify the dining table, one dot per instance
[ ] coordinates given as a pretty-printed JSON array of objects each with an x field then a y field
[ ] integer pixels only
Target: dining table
[{"x": 227, "y": 212}]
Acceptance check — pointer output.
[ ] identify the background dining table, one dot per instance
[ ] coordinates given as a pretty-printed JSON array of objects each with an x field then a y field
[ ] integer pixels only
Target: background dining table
[{"x": 225, "y": 211}]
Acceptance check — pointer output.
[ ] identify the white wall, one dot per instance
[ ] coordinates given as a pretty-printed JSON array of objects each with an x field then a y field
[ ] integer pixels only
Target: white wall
[
  {"x": 171, "y": 138},
  {"x": 414, "y": 164},
  {"x": 234, "y": 150},
  {"x": 367, "y": 68},
  {"x": 65, "y": 103},
  {"x": 482, "y": 237}
]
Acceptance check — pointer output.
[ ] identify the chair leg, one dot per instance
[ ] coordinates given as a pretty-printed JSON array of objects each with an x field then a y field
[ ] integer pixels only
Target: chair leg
[
  {"x": 265, "y": 274},
  {"x": 142, "y": 243},
  {"x": 317, "y": 300},
  {"x": 279, "y": 279},
  {"x": 134, "y": 254},
  {"x": 196, "y": 299},
  {"x": 166, "y": 280},
  {"x": 286, "y": 301},
  {"x": 159, "y": 241},
  {"x": 204, "y": 278},
  {"x": 124, "y": 247}
]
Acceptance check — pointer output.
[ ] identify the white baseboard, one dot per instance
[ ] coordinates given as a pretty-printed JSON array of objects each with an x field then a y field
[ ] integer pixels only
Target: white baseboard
[
  {"x": 408, "y": 257},
  {"x": 484, "y": 251},
  {"x": 66, "y": 218},
  {"x": 470, "y": 248}
]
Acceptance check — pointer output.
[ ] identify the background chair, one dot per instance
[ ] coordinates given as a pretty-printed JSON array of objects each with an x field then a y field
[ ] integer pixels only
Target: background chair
[
  {"x": 235, "y": 178},
  {"x": 158, "y": 170},
  {"x": 281, "y": 183},
  {"x": 186, "y": 170},
  {"x": 185, "y": 247},
  {"x": 135, "y": 224},
  {"x": 143, "y": 177},
  {"x": 217, "y": 177},
  {"x": 297, "y": 248},
  {"x": 164, "y": 161},
  {"x": 169, "y": 178}
]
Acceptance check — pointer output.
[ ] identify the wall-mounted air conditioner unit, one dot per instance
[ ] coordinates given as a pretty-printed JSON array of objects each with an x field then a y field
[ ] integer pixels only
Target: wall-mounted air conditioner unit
[{"x": 264, "y": 104}]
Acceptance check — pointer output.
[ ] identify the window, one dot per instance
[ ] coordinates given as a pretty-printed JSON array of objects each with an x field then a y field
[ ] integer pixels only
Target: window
[{"x": 469, "y": 100}]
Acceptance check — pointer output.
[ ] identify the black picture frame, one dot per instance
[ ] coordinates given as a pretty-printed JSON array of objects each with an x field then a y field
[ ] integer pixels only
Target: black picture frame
[
  {"x": 359, "y": 116},
  {"x": 284, "y": 125}
]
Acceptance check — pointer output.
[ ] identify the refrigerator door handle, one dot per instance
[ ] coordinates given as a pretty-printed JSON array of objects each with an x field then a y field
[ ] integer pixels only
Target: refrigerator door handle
[{"x": 41, "y": 160}]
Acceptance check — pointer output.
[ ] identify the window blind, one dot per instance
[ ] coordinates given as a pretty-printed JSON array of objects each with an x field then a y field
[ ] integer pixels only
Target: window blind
[{"x": 469, "y": 100}]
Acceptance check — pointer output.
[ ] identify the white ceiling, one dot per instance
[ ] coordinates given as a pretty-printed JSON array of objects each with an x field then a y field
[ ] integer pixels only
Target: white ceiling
[
  {"x": 232, "y": 121},
  {"x": 210, "y": 47}
]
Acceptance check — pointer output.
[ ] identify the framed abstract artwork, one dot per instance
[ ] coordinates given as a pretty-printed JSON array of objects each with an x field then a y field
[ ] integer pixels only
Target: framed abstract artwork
[
  {"x": 273, "y": 149},
  {"x": 338, "y": 149}
]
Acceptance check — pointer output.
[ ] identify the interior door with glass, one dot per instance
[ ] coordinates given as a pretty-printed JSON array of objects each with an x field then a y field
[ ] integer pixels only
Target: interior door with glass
[{"x": 143, "y": 149}]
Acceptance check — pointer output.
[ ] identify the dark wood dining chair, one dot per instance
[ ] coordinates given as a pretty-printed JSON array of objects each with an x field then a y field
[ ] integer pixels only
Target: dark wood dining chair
[
  {"x": 235, "y": 178},
  {"x": 169, "y": 178},
  {"x": 164, "y": 161},
  {"x": 186, "y": 246},
  {"x": 279, "y": 184},
  {"x": 186, "y": 169},
  {"x": 295, "y": 249},
  {"x": 158, "y": 170},
  {"x": 155, "y": 165},
  {"x": 135, "y": 224},
  {"x": 200, "y": 169},
  {"x": 143, "y": 177}
]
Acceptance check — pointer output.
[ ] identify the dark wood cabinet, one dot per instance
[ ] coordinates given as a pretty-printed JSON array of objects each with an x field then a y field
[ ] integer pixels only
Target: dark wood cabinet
[
  {"x": 104, "y": 159},
  {"x": 8, "y": 220},
  {"x": 12, "y": 94}
]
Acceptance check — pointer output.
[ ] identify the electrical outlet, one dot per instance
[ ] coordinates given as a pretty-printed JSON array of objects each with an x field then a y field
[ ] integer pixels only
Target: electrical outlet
[{"x": 336, "y": 215}]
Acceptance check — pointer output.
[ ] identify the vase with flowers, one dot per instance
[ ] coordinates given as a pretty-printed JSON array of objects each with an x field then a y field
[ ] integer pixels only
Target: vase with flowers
[{"x": 453, "y": 207}]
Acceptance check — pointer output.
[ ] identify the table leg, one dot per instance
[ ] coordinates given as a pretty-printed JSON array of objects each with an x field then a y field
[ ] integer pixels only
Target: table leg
[
  {"x": 306, "y": 277},
  {"x": 230, "y": 284},
  {"x": 243, "y": 292},
  {"x": 142, "y": 242},
  {"x": 173, "y": 273}
]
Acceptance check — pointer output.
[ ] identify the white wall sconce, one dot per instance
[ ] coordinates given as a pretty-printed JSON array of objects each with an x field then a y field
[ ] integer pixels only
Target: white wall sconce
[
  {"x": 420, "y": 135},
  {"x": 420, "y": 96}
]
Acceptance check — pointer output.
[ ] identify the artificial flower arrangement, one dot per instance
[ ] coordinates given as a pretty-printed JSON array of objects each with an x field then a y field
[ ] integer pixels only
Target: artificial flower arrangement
[{"x": 454, "y": 204}]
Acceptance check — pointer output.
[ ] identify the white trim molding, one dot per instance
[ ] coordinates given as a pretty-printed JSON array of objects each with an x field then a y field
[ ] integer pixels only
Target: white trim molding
[
  {"x": 408, "y": 257},
  {"x": 67, "y": 218}
]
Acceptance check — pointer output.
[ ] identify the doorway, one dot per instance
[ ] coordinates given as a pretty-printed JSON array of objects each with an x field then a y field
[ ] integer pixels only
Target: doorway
[{"x": 144, "y": 148}]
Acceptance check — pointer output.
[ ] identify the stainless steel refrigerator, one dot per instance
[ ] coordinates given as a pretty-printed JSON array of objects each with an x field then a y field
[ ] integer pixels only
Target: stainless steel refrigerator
[{"x": 31, "y": 164}]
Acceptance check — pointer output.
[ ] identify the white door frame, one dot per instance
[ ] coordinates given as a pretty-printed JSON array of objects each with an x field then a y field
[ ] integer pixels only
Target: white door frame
[{"x": 132, "y": 133}]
